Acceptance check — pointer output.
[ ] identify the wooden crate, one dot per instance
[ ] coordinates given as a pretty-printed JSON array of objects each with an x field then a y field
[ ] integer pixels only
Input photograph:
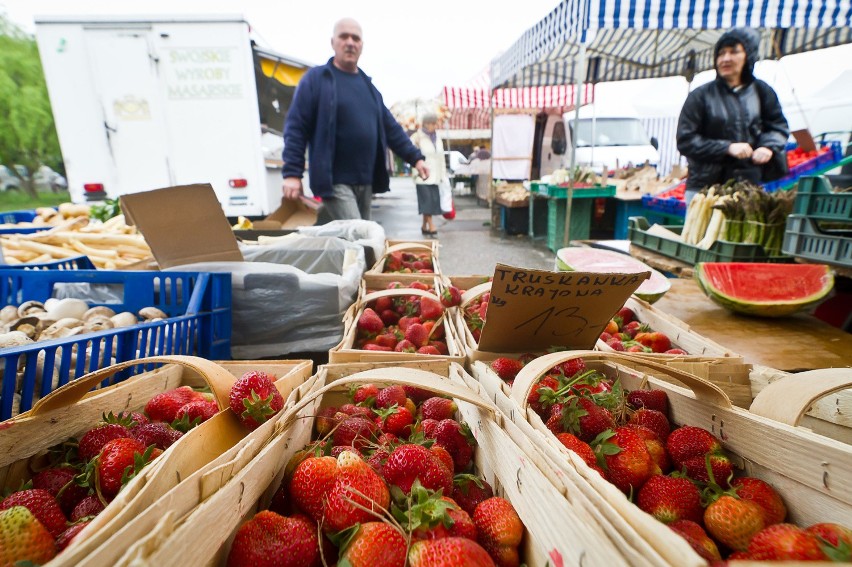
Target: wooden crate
[
  {"x": 810, "y": 471},
  {"x": 73, "y": 409},
  {"x": 558, "y": 532},
  {"x": 345, "y": 352}
]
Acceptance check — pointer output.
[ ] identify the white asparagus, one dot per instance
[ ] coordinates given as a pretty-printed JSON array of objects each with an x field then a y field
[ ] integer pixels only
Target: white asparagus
[
  {"x": 100, "y": 238},
  {"x": 90, "y": 251},
  {"x": 55, "y": 251}
]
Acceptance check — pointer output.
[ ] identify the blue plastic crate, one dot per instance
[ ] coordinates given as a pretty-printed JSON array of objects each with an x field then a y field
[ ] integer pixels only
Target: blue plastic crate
[
  {"x": 75, "y": 263},
  {"x": 665, "y": 205},
  {"x": 198, "y": 306},
  {"x": 12, "y": 217},
  {"x": 834, "y": 155}
]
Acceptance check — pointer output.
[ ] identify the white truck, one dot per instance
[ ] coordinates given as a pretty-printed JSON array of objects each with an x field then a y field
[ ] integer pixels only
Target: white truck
[{"x": 148, "y": 102}]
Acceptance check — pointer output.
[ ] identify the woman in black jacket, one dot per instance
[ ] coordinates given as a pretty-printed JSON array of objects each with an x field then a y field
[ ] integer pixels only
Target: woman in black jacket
[{"x": 733, "y": 127}]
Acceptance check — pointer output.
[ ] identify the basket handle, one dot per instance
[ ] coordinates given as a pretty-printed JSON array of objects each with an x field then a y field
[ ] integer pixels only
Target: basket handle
[
  {"x": 219, "y": 380},
  {"x": 400, "y": 291},
  {"x": 474, "y": 292},
  {"x": 530, "y": 374},
  {"x": 786, "y": 400},
  {"x": 401, "y": 376}
]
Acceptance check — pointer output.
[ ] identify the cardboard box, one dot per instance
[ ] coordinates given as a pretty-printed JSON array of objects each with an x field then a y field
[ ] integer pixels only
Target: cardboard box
[{"x": 290, "y": 215}]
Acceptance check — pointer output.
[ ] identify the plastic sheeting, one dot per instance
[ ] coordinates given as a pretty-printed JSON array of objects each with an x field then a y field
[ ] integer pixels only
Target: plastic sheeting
[
  {"x": 368, "y": 234},
  {"x": 290, "y": 296},
  {"x": 512, "y": 146}
]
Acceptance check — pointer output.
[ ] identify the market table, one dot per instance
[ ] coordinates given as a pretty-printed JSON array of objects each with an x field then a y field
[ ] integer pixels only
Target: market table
[
  {"x": 662, "y": 263},
  {"x": 800, "y": 342}
]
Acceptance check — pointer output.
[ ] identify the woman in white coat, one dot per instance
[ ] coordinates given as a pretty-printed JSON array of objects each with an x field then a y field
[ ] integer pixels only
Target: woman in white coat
[{"x": 430, "y": 144}]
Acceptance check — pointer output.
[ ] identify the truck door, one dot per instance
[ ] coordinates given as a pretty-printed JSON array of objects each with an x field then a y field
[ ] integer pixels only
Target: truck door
[{"x": 126, "y": 81}]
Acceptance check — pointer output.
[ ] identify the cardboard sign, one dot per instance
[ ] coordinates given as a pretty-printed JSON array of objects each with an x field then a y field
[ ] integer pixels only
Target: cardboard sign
[
  {"x": 805, "y": 140},
  {"x": 533, "y": 310},
  {"x": 182, "y": 225}
]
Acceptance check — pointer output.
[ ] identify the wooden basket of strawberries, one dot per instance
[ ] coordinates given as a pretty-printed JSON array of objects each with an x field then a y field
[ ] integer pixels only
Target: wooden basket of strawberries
[
  {"x": 338, "y": 485},
  {"x": 728, "y": 482},
  {"x": 98, "y": 459},
  {"x": 407, "y": 261},
  {"x": 396, "y": 325}
]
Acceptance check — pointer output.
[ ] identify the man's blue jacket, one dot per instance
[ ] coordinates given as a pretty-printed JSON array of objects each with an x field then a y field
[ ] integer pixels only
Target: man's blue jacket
[{"x": 312, "y": 123}]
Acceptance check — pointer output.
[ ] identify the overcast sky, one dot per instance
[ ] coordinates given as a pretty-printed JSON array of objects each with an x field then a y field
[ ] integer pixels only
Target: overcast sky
[{"x": 411, "y": 49}]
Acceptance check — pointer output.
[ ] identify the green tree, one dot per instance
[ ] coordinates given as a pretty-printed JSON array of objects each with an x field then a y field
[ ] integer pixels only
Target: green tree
[{"x": 27, "y": 131}]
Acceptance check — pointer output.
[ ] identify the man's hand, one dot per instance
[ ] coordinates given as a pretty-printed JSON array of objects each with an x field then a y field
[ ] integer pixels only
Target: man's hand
[
  {"x": 761, "y": 155},
  {"x": 740, "y": 150},
  {"x": 421, "y": 168},
  {"x": 292, "y": 188}
]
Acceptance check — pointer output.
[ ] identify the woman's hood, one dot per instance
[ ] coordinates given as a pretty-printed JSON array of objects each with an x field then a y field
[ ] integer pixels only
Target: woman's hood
[{"x": 750, "y": 40}]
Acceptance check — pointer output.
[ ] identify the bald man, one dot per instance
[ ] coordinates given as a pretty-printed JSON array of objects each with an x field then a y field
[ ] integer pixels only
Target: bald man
[{"x": 339, "y": 116}]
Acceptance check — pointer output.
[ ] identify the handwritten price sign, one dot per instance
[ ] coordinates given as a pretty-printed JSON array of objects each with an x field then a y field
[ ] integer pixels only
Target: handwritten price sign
[{"x": 532, "y": 310}]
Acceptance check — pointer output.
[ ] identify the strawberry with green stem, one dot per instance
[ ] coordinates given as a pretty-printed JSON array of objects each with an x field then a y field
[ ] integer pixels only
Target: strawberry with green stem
[
  {"x": 727, "y": 517},
  {"x": 254, "y": 398}
]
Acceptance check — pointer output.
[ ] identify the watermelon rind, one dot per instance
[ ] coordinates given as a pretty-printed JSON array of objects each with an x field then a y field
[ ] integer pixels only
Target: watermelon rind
[
  {"x": 651, "y": 289},
  {"x": 774, "y": 308}
]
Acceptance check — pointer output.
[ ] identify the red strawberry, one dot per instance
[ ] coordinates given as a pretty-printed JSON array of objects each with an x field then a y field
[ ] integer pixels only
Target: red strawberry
[
  {"x": 388, "y": 340},
  {"x": 326, "y": 420},
  {"x": 93, "y": 440},
  {"x": 785, "y": 542},
  {"x": 670, "y": 499},
  {"x": 311, "y": 481},
  {"x": 656, "y": 448},
  {"x": 652, "y": 419},
  {"x": 695, "y": 535},
  {"x": 355, "y": 411},
  {"x": 444, "y": 456},
  {"x": 676, "y": 351},
  {"x": 626, "y": 315},
  {"x": 571, "y": 367},
  {"x": 354, "y": 431},
  {"x": 451, "y": 296},
  {"x": 651, "y": 399},
  {"x": 395, "y": 420},
  {"x": 364, "y": 394},
  {"x": 534, "y": 399},
  {"x": 356, "y": 486},
  {"x": 448, "y": 552},
  {"x": 616, "y": 344},
  {"x": 42, "y": 505},
  {"x": 23, "y": 539},
  {"x": 430, "y": 308},
  {"x": 469, "y": 490},
  {"x": 428, "y": 426},
  {"x": 625, "y": 458},
  {"x": 733, "y": 522},
  {"x": 158, "y": 434},
  {"x": 499, "y": 530},
  {"x": 762, "y": 494},
  {"x": 429, "y": 349},
  {"x": 164, "y": 407},
  {"x": 456, "y": 439},
  {"x": 408, "y": 463},
  {"x": 689, "y": 446},
  {"x": 506, "y": 368},
  {"x": 130, "y": 418},
  {"x": 198, "y": 411},
  {"x": 370, "y": 322},
  {"x": 417, "y": 334},
  {"x": 389, "y": 317},
  {"x": 59, "y": 482},
  {"x": 91, "y": 505},
  {"x": 269, "y": 535},
  {"x": 419, "y": 395},
  {"x": 66, "y": 537},
  {"x": 835, "y": 541},
  {"x": 583, "y": 450},
  {"x": 633, "y": 328},
  {"x": 585, "y": 419},
  {"x": 119, "y": 460},
  {"x": 375, "y": 544},
  {"x": 657, "y": 341},
  {"x": 437, "y": 408},
  {"x": 406, "y": 322},
  {"x": 391, "y": 395},
  {"x": 405, "y": 346},
  {"x": 254, "y": 398}
]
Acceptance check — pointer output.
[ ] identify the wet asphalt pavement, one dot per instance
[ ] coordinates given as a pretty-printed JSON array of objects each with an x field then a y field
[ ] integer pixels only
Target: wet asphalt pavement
[{"x": 469, "y": 244}]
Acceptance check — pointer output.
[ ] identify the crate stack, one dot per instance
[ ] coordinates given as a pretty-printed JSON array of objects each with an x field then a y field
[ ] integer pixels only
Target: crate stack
[{"x": 820, "y": 228}]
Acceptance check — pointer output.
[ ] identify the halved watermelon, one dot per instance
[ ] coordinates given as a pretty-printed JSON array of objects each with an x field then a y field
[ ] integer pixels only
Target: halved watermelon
[
  {"x": 598, "y": 260},
  {"x": 766, "y": 290}
]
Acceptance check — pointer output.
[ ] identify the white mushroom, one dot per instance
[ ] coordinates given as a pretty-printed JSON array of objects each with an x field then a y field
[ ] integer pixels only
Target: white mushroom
[
  {"x": 54, "y": 332},
  {"x": 50, "y": 303},
  {"x": 98, "y": 311},
  {"x": 30, "y": 308},
  {"x": 30, "y": 326},
  {"x": 124, "y": 319},
  {"x": 98, "y": 323},
  {"x": 152, "y": 314},
  {"x": 68, "y": 307},
  {"x": 13, "y": 339},
  {"x": 8, "y": 314}
]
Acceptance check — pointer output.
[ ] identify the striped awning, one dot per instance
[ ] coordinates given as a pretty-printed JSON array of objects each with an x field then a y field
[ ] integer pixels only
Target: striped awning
[{"x": 634, "y": 39}]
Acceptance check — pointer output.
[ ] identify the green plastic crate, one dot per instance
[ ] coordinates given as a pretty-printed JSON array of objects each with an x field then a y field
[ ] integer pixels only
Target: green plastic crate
[
  {"x": 558, "y": 192},
  {"x": 720, "y": 251},
  {"x": 803, "y": 238},
  {"x": 816, "y": 200},
  {"x": 581, "y": 220}
]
